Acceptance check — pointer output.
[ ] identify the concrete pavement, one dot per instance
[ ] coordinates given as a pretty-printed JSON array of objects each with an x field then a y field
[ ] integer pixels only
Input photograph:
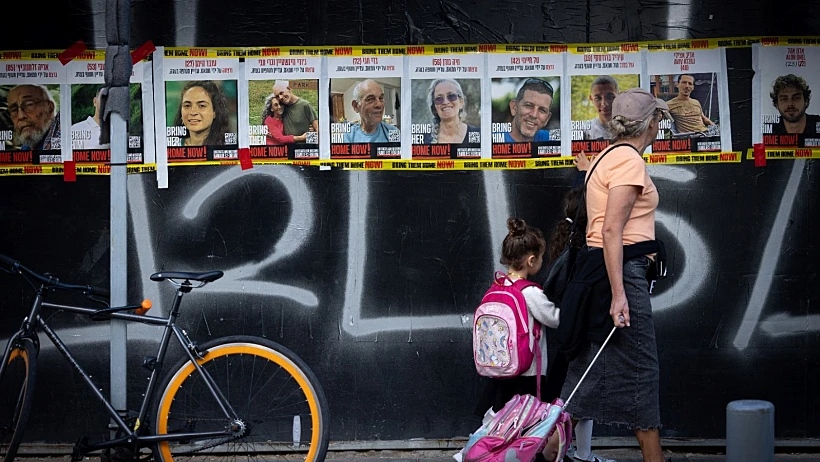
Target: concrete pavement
[{"x": 621, "y": 455}]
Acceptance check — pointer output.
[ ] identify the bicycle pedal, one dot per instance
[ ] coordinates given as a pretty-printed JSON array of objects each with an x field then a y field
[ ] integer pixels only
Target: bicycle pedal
[{"x": 80, "y": 449}]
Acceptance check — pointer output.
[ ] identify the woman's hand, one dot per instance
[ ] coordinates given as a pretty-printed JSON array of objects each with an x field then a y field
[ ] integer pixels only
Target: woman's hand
[
  {"x": 300, "y": 138},
  {"x": 581, "y": 162},
  {"x": 619, "y": 311}
]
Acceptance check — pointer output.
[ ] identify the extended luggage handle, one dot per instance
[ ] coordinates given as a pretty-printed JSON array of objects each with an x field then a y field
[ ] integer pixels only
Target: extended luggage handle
[{"x": 621, "y": 318}]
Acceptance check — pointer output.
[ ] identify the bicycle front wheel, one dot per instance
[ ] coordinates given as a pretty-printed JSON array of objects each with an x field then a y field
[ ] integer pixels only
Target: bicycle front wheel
[
  {"x": 280, "y": 406},
  {"x": 16, "y": 393}
]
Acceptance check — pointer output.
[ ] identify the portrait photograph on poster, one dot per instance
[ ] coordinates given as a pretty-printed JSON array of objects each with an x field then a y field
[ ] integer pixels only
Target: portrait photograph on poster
[
  {"x": 592, "y": 97},
  {"x": 695, "y": 110},
  {"x": 86, "y": 123},
  {"x": 788, "y": 80},
  {"x": 30, "y": 117},
  {"x": 365, "y": 117},
  {"x": 526, "y": 116},
  {"x": 283, "y": 118},
  {"x": 446, "y": 117},
  {"x": 201, "y": 114}
]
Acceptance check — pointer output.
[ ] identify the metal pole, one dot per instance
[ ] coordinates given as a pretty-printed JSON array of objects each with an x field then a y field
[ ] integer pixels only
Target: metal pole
[
  {"x": 116, "y": 104},
  {"x": 119, "y": 258}
]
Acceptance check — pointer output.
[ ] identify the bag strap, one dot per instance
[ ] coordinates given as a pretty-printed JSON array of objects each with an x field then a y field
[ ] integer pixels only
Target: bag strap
[
  {"x": 522, "y": 284},
  {"x": 600, "y": 158}
]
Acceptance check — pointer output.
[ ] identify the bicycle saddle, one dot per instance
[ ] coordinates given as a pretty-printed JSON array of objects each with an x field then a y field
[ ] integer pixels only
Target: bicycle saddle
[{"x": 209, "y": 276}]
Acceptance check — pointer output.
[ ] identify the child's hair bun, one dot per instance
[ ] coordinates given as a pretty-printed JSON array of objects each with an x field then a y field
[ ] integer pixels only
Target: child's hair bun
[{"x": 516, "y": 226}]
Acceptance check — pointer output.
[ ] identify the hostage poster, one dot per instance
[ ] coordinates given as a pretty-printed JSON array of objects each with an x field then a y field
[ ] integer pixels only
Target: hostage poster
[
  {"x": 283, "y": 104},
  {"x": 86, "y": 81},
  {"x": 525, "y": 91},
  {"x": 598, "y": 73},
  {"x": 446, "y": 109},
  {"x": 200, "y": 104},
  {"x": 31, "y": 98},
  {"x": 692, "y": 81},
  {"x": 365, "y": 105},
  {"x": 788, "y": 80}
]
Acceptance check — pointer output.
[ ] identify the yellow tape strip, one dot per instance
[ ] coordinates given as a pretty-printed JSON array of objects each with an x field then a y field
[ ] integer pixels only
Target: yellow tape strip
[{"x": 787, "y": 153}]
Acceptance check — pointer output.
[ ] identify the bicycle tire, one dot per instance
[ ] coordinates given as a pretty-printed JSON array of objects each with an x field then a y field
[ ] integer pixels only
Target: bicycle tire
[
  {"x": 268, "y": 403},
  {"x": 16, "y": 395}
]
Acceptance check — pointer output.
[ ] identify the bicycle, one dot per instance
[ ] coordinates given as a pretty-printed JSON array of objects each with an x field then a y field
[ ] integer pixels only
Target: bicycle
[{"x": 233, "y": 396}]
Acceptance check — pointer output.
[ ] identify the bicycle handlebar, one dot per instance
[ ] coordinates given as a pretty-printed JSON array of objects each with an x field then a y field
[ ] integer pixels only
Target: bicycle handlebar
[{"x": 51, "y": 281}]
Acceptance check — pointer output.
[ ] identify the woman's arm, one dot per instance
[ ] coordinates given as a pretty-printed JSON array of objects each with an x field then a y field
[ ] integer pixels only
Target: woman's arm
[
  {"x": 619, "y": 204},
  {"x": 275, "y": 132}
]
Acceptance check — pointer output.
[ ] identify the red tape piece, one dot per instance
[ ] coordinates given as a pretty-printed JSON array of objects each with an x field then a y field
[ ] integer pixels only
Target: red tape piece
[
  {"x": 72, "y": 52},
  {"x": 245, "y": 158},
  {"x": 142, "y": 52},
  {"x": 69, "y": 171},
  {"x": 760, "y": 155}
]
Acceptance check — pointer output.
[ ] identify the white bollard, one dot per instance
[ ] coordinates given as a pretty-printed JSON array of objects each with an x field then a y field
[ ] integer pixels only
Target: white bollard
[{"x": 750, "y": 431}]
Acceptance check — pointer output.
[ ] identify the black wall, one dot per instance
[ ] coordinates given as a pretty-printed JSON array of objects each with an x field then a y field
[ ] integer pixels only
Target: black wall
[{"x": 371, "y": 276}]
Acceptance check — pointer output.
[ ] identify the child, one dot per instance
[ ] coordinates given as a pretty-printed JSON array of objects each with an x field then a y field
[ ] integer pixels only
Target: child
[{"x": 523, "y": 253}]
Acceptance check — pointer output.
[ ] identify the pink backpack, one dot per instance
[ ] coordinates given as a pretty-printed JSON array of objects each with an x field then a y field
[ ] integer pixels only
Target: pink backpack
[
  {"x": 501, "y": 336},
  {"x": 519, "y": 431}
]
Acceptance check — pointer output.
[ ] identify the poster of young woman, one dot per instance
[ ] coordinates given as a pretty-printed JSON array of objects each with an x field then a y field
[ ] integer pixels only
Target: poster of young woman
[
  {"x": 200, "y": 110},
  {"x": 86, "y": 81},
  {"x": 283, "y": 104},
  {"x": 365, "y": 105},
  {"x": 788, "y": 77},
  {"x": 446, "y": 104},
  {"x": 692, "y": 81},
  {"x": 31, "y": 96},
  {"x": 597, "y": 74},
  {"x": 526, "y": 104}
]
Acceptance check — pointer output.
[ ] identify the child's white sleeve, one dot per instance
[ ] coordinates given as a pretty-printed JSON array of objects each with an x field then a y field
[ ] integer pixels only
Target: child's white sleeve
[{"x": 542, "y": 309}]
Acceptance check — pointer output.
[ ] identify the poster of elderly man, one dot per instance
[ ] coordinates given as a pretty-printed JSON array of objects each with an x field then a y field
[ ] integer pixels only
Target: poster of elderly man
[
  {"x": 31, "y": 100},
  {"x": 30, "y": 123}
]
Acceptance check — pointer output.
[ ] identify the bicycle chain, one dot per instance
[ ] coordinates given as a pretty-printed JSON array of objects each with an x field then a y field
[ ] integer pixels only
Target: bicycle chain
[
  {"x": 209, "y": 446},
  {"x": 214, "y": 444}
]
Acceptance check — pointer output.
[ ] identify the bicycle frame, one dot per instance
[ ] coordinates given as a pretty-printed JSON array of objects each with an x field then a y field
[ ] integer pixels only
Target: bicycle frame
[{"x": 132, "y": 436}]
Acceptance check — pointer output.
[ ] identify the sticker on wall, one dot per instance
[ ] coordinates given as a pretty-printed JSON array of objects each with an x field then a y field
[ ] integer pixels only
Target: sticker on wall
[
  {"x": 365, "y": 105},
  {"x": 526, "y": 105},
  {"x": 446, "y": 103},
  {"x": 692, "y": 81},
  {"x": 597, "y": 74},
  {"x": 200, "y": 105},
  {"x": 788, "y": 123},
  {"x": 31, "y": 99},
  {"x": 283, "y": 104},
  {"x": 86, "y": 81}
]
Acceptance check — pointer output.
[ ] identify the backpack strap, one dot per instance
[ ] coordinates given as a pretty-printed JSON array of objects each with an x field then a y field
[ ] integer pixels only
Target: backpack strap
[{"x": 522, "y": 284}]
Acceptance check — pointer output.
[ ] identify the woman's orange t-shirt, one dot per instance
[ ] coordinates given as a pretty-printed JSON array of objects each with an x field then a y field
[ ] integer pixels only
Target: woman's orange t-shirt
[{"x": 622, "y": 166}]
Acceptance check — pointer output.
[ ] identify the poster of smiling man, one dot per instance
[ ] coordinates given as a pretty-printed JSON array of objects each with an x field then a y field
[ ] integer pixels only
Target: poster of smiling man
[{"x": 526, "y": 110}]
